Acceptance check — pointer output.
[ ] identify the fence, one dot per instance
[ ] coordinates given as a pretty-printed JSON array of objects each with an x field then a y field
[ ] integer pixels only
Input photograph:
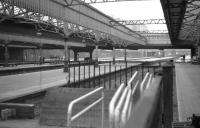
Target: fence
[
  {"x": 126, "y": 99},
  {"x": 106, "y": 74},
  {"x": 71, "y": 118}
]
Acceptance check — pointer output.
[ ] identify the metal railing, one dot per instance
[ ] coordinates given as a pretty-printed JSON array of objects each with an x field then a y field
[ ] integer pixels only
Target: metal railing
[
  {"x": 113, "y": 103},
  {"x": 106, "y": 73},
  {"x": 71, "y": 118},
  {"x": 121, "y": 104},
  {"x": 146, "y": 82},
  {"x": 147, "y": 112}
]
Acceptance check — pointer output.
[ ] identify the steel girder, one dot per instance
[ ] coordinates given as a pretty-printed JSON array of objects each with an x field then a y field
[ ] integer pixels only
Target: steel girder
[
  {"x": 174, "y": 11},
  {"x": 138, "y": 22},
  {"x": 153, "y": 32},
  {"x": 44, "y": 23},
  {"x": 74, "y": 3},
  {"x": 190, "y": 29},
  {"x": 82, "y": 15}
]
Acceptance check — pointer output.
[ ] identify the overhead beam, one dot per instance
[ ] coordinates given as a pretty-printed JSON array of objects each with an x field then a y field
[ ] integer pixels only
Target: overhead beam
[
  {"x": 33, "y": 39},
  {"x": 167, "y": 46},
  {"x": 83, "y": 15},
  {"x": 72, "y": 3},
  {"x": 153, "y": 32},
  {"x": 138, "y": 22}
]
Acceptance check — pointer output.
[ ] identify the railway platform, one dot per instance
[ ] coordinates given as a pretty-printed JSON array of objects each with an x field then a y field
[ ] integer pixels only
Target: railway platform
[{"x": 188, "y": 87}]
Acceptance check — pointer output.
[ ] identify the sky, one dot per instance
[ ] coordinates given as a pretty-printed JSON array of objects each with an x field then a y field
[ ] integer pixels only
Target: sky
[{"x": 134, "y": 10}]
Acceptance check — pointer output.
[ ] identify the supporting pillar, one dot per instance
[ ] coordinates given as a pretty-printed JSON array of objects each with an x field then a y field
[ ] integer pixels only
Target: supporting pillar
[
  {"x": 90, "y": 52},
  {"x": 41, "y": 57},
  {"x": 162, "y": 53},
  {"x": 145, "y": 53},
  {"x": 125, "y": 55},
  {"x": 113, "y": 55},
  {"x": 75, "y": 55},
  {"x": 6, "y": 53},
  {"x": 35, "y": 56},
  {"x": 198, "y": 52},
  {"x": 96, "y": 55},
  {"x": 67, "y": 58},
  {"x": 192, "y": 52}
]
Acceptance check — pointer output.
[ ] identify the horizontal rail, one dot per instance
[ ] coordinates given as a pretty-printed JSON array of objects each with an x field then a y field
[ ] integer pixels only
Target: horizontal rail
[
  {"x": 119, "y": 107},
  {"x": 112, "y": 104},
  {"x": 135, "y": 87},
  {"x": 149, "y": 81},
  {"x": 131, "y": 102},
  {"x": 72, "y": 103},
  {"x": 132, "y": 78},
  {"x": 126, "y": 106},
  {"x": 86, "y": 109},
  {"x": 143, "y": 83}
]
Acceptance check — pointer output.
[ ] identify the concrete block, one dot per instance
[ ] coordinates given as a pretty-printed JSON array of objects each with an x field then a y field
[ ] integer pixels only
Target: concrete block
[
  {"x": 7, "y": 113},
  {"x": 19, "y": 110}
]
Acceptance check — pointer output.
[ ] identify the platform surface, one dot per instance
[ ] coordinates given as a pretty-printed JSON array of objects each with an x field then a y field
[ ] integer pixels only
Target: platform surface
[
  {"x": 188, "y": 89},
  {"x": 18, "y": 85},
  {"x": 21, "y": 84}
]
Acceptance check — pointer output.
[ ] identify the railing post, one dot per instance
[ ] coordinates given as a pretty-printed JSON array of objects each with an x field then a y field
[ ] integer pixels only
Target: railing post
[
  {"x": 168, "y": 75},
  {"x": 79, "y": 73},
  {"x": 74, "y": 73},
  {"x": 84, "y": 72},
  {"x": 126, "y": 72},
  {"x": 131, "y": 71},
  {"x": 89, "y": 74},
  {"x": 110, "y": 74},
  {"x": 102, "y": 111},
  {"x": 69, "y": 74},
  {"x": 115, "y": 76},
  {"x": 142, "y": 70},
  {"x": 99, "y": 75},
  {"x": 94, "y": 72},
  {"x": 120, "y": 74},
  {"x": 104, "y": 76}
]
